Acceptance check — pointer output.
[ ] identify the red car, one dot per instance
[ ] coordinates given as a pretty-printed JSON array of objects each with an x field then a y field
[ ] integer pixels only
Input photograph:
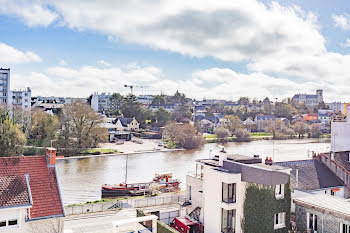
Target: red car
[{"x": 185, "y": 225}]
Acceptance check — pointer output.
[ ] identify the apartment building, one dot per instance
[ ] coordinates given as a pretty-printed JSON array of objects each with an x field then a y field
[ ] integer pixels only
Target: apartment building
[
  {"x": 218, "y": 189},
  {"x": 5, "y": 86},
  {"x": 21, "y": 99}
]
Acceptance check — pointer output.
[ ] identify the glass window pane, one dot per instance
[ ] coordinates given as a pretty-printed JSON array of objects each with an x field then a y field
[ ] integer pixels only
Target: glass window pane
[
  {"x": 315, "y": 216},
  {"x": 12, "y": 222},
  {"x": 2, "y": 223}
]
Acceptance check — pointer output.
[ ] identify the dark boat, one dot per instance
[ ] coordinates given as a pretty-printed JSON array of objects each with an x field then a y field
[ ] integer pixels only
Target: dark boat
[{"x": 161, "y": 182}]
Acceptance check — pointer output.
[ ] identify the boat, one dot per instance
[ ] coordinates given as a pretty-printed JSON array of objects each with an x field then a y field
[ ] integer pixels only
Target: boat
[{"x": 162, "y": 182}]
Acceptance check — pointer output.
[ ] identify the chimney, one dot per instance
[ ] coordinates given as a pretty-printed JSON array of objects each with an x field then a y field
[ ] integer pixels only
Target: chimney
[
  {"x": 296, "y": 177},
  {"x": 268, "y": 161},
  {"x": 222, "y": 157},
  {"x": 51, "y": 156}
]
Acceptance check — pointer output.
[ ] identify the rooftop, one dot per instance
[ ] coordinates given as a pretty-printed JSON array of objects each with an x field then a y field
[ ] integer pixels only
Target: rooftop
[
  {"x": 42, "y": 182},
  {"x": 312, "y": 175},
  {"x": 322, "y": 202}
]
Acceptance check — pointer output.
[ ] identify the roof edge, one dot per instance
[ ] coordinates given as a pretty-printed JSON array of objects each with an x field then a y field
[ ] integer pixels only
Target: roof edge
[
  {"x": 59, "y": 191},
  {"x": 29, "y": 190}
]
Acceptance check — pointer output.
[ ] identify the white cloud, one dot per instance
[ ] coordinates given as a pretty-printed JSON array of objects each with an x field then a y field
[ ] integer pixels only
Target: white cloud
[
  {"x": 273, "y": 40},
  {"x": 32, "y": 13},
  {"x": 342, "y": 21},
  {"x": 209, "y": 83},
  {"x": 11, "y": 55},
  {"x": 62, "y": 62},
  {"x": 104, "y": 63},
  {"x": 347, "y": 43}
]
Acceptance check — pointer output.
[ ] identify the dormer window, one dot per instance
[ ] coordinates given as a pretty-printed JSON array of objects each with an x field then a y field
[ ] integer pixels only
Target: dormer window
[{"x": 279, "y": 191}]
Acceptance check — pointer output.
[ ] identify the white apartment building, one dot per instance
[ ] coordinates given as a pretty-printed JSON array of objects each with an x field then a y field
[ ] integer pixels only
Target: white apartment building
[
  {"x": 340, "y": 132},
  {"x": 5, "y": 86},
  {"x": 217, "y": 190},
  {"x": 21, "y": 99}
]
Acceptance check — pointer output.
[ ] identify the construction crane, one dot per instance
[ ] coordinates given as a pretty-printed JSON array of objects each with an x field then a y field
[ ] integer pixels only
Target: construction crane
[{"x": 131, "y": 87}]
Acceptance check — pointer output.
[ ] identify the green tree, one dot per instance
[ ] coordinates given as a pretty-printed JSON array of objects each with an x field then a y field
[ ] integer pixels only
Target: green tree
[
  {"x": 177, "y": 98},
  {"x": 116, "y": 101},
  {"x": 43, "y": 128},
  {"x": 284, "y": 110},
  {"x": 158, "y": 100},
  {"x": 162, "y": 116},
  {"x": 12, "y": 139},
  {"x": 233, "y": 123}
]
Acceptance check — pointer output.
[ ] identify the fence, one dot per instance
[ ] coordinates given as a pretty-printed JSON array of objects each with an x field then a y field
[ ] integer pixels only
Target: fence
[{"x": 131, "y": 202}]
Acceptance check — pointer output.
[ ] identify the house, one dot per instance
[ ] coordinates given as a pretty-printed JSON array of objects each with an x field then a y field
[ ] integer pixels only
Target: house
[
  {"x": 220, "y": 186},
  {"x": 30, "y": 197},
  {"x": 322, "y": 213},
  {"x": 127, "y": 124},
  {"x": 309, "y": 100},
  {"x": 284, "y": 120},
  {"x": 262, "y": 121},
  {"x": 311, "y": 117},
  {"x": 249, "y": 124},
  {"x": 207, "y": 125},
  {"x": 314, "y": 177}
]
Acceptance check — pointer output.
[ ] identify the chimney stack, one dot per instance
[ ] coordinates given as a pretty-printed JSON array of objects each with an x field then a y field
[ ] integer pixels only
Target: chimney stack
[
  {"x": 222, "y": 157},
  {"x": 51, "y": 155}
]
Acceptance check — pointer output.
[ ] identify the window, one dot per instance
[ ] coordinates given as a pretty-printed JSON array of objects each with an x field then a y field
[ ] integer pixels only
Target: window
[
  {"x": 344, "y": 228},
  {"x": 8, "y": 223},
  {"x": 2, "y": 223},
  {"x": 349, "y": 157},
  {"x": 189, "y": 192},
  {"x": 228, "y": 193},
  {"x": 227, "y": 221},
  {"x": 311, "y": 221},
  {"x": 12, "y": 222},
  {"x": 279, "y": 220},
  {"x": 279, "y": 191}
]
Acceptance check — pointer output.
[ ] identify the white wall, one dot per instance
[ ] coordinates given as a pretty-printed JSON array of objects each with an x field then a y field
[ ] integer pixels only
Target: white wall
[
  {"x": 47, "y": 225},
  {"x": 340, "y": 134},
  {"x": 94, "y": 102},
  {"x": 212, "y": 199}
]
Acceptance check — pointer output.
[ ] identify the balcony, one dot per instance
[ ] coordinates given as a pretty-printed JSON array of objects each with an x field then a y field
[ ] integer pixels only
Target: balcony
[{"x": 195, "y": 175}]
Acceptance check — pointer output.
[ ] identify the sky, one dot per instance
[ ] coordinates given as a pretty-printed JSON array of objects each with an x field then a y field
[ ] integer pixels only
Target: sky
[{"x": 204, "y": 48}]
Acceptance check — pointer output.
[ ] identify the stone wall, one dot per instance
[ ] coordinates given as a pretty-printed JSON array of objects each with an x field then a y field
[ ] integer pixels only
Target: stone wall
[{"x": 326, "y": 223}]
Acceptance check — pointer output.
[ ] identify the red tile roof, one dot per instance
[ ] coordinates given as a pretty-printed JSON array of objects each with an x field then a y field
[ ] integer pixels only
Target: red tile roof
[
  {"x": 42, "y": 182},
  {"x": 14, "y": 191}
]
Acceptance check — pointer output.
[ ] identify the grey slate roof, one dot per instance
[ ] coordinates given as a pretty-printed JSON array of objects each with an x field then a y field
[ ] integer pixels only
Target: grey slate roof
[
  {"x": 125, "y": 121},
  {"x": 313, "y": 175}
]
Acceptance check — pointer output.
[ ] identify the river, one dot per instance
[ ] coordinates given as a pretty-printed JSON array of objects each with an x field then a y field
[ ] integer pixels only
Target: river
[{"x": 81, "y": 179}]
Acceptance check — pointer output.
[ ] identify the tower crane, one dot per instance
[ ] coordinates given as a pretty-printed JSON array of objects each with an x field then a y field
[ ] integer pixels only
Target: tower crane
[{"x": 131, "y": 87}]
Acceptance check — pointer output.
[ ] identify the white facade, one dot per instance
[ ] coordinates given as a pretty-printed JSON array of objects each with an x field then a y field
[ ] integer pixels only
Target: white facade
[
  {"x": 21, "y": 99},
  {"x": 5, "y": 87},
  {"x": 15, "y": 219},
  {"x": 205, "y": 190},
  {"x": 340, "y": 133},
  {"x": 336, "y": 106}
]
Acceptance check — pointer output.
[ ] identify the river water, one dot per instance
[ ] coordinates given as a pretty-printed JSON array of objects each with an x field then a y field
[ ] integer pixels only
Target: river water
[{"x": 81, "y": 179}]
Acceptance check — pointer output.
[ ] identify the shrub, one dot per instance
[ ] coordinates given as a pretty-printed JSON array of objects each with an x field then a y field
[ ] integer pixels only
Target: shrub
[{"x": 242, "y": 135}]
